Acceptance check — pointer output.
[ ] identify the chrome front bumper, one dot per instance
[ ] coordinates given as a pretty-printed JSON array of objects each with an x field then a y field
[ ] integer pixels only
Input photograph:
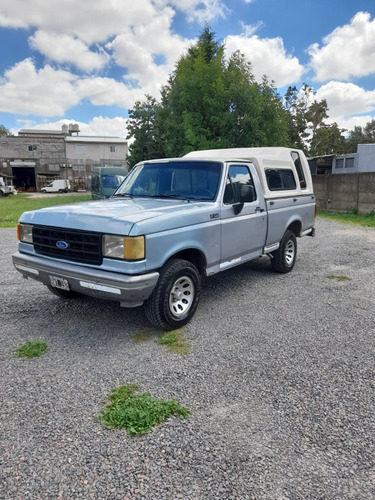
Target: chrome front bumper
[{"x": 130, "y": 291}]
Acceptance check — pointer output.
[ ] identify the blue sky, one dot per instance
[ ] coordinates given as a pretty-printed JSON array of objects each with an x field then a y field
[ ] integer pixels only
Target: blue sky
[{"x": 88, "y": 62}]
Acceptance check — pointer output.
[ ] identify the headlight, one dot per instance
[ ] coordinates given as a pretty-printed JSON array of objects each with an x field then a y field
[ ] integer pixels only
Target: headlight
[
  {"x": 124, "y": 247},
  {"x": 25, "y": 233}
]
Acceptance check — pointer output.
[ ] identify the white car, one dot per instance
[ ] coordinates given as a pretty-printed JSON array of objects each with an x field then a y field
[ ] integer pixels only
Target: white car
[{"x": 6, "y": 190}]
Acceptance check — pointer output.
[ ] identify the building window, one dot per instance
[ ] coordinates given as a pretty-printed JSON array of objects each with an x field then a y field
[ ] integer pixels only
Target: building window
[
  {"x": 349, "y": 163},
  {"x": 80, "y": 150},
  {"x": 32, "y": 147},
  {"x": 112, "y": 149},
  {"x": 339, "y": 162}
]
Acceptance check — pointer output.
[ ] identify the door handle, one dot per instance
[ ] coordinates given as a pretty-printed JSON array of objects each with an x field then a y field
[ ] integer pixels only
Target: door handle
[{"x": 258, "y": 209}]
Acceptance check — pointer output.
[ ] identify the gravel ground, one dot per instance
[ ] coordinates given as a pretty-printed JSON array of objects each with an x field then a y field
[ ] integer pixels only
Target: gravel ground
[{"x": 279, "y": 380}]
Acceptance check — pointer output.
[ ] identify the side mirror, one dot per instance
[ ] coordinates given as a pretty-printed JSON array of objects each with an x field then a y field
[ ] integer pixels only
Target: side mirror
[
  {"x": 237, "y": 207},
  {"x": 247, "y": 194}
]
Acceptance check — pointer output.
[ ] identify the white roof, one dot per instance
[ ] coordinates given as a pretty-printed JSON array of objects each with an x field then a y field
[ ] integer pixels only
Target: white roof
[
  {"x": 82, "y": 138},
  {"x": 271, "y": 153}
]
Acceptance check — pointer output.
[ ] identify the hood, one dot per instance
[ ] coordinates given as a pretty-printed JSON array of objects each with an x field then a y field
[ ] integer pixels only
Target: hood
[{"x": 116, "y": 215}]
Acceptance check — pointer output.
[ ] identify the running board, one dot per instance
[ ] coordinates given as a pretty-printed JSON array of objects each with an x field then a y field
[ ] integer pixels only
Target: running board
[{"x": 271, "y": 248}]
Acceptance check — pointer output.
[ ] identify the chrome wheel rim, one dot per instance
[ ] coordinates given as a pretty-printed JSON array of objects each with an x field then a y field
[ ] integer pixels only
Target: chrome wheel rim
[
  {"x": 181, "y": 296},
  {"x": 290, "y": 252}
]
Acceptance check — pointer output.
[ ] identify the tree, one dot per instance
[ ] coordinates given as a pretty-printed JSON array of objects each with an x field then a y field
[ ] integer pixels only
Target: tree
[
  {"x": 327, "y": 139},
  {"x": 317, "y": 113},
  {"x": 296, "y": 104},
  {"x": 306, "y": 115},
  {"x": 360, "y": 135},
  {"x": 356, "y": 136},
  {"x": 209, "y": 102},
  {"x": 194, "y": 102},
  {"x": 4, "y": 131},
  {"x": 369, "y": 132},
  {"x": 143, "y": 127}
]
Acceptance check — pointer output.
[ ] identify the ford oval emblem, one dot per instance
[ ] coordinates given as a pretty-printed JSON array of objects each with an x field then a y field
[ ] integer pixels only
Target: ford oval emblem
[{"x": 62, "y": 244}]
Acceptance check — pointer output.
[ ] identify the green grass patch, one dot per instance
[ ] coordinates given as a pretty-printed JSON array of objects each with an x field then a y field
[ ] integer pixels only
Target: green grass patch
[
  {"x": 367, "y": 220},
  {"x": 137, "y": 413},
  {"x": 31, "y": 349},
  {"x": 174, "y": 341},
  {"x": 142, "y": 336},
  {"x": 338, "y": 278},
  {"x": 12, "y": 206}
]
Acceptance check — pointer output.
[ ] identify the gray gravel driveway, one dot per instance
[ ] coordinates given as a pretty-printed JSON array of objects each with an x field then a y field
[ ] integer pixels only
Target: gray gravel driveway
[{"x": 279, "y": 380}]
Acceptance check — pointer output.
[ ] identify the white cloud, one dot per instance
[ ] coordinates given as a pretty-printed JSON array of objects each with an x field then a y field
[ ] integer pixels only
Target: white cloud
[
  {"x": 346, "y": 52},
  {"x": 268, "y": 57},
  {"x": 346, "y": 99},
  {"x": 67, "y": 49},
  {"x": 98, "y": 21},
  {"x": 44, "y": 92},
  {"x": 26, "y": 90},
  {"x": 248, "y": 30},
  {"x": 107, "y": 92},
  {"x": 203, "y": 11},
  {"x": 90, "y": 21},
  {"x": 348, "y": 104}
]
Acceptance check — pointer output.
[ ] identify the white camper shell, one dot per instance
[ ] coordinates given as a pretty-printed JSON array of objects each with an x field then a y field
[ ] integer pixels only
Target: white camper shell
[{"x": 282, "y": 171}]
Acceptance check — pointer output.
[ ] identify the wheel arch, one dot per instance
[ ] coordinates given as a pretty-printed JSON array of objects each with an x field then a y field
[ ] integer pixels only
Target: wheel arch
[
  {"x": 194, "y": 256},
  {"x": 295, "y": 227}
]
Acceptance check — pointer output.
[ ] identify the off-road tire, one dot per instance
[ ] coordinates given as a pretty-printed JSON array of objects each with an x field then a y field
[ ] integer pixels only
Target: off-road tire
[
  {"x": 175, "y": 298},
  {"x": 284, "y": 258}
]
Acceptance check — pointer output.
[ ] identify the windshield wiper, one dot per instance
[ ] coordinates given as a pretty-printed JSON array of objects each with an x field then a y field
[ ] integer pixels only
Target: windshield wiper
[
  {"x": 122, "y": 195},
  {"x": 177, "y": 196}
]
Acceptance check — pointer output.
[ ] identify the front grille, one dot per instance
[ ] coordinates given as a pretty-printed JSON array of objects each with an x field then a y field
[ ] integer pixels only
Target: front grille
[{"x": 81, "y": 246}]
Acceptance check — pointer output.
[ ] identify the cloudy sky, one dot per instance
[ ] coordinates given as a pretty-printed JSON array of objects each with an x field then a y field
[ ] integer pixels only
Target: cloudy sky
[{"x": 88, "y": 61}]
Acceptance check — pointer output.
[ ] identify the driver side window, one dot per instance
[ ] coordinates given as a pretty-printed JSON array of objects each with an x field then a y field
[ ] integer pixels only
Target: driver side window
[{"x": 238, "y": 176}]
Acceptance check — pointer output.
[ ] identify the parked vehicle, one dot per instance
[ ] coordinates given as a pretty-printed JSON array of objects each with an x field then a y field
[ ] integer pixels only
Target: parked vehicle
[
  {"x": 105, "y": 181},
  {"x": 170, "y": 222},
  {"x": 57, "y": 186},
  {"x": 6, "y": 189}
]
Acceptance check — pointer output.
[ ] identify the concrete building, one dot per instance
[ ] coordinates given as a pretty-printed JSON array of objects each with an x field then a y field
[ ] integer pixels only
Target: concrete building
[
  {"x": 35, "y": 158},
  {"x": 363, "y": 161}
]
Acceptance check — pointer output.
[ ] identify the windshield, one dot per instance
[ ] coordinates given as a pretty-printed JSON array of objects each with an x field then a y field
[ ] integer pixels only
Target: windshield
[
  {"x": 112, "y": 180},
  {"x": 193, "y": 180}
]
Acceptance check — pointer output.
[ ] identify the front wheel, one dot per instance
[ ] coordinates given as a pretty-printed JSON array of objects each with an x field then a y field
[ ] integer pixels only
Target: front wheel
[
  {"x": 175, "y": 298},
  {"x": 284, "y": 258}
]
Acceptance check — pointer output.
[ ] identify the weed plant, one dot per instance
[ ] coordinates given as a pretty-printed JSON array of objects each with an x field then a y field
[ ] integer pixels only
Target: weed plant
[
  {"x": 137, "y": 413},
  {"x": 174, "y": 341},
  {"x": 31, "y": 349}
]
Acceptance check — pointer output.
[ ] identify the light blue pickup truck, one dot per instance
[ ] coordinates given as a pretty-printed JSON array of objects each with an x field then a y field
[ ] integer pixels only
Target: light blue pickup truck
[{"x": 169, "y": 223}]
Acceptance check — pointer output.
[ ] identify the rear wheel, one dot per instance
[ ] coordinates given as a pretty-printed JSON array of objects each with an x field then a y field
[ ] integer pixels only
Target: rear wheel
[
  {"x": 175, "y": 298},
  {"x": 285, "y": 257}
]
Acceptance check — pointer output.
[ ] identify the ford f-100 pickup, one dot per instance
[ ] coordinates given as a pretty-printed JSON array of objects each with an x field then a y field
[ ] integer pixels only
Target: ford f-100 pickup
[{"x": 169, "y": 223}]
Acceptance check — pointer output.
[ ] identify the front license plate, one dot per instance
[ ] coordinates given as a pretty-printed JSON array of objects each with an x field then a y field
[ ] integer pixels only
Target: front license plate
[{"x": 61, "y": 283}]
